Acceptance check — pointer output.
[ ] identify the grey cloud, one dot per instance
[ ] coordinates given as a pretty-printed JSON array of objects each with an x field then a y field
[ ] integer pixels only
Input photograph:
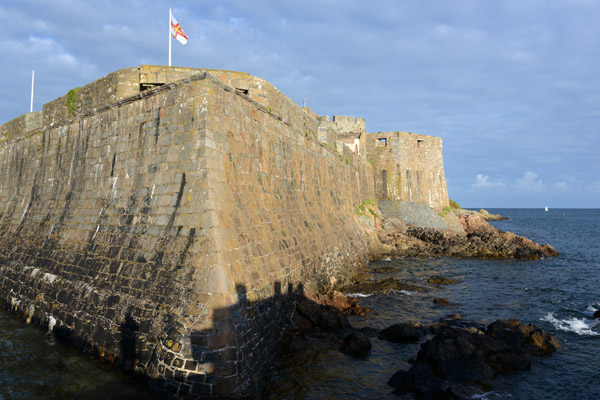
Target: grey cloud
[{"x": 511, "y": 86}]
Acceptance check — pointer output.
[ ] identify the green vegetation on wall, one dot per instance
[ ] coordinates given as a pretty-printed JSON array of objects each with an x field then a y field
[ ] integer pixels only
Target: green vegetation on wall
[
  {"x": 366, "y": 205},
  {"x": 454, "y": 205},
  {"x": 72, "y": 100}
]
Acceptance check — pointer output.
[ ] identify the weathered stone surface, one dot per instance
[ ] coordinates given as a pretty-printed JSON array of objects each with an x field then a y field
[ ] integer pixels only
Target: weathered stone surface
[
  {"x": 481, "y": 240},
  {"x": 406, "y": 332},
  {"x": 491, "y": 217},
  {"x": 169, "y": 229},
  {"x": 408, "y": 167},
  {"x": 459, "y": 361}
]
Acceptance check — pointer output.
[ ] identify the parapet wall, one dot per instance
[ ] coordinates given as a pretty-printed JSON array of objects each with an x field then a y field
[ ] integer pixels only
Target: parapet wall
[
  {"x": 408, "y": 167},
  {"x": 162, "y": 229},
  {"x": 16, "y": 128},
  {"x": 344, "y": 131}
]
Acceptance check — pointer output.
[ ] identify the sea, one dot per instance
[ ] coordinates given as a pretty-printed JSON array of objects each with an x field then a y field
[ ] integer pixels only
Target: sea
[{"x": 559, "y": 294}]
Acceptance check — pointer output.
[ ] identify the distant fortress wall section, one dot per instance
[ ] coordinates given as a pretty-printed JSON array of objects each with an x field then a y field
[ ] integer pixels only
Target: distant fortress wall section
[
  {"x": 344, "y": 131},
  {"x": 164, "y": 224},
  {"x": 408, "y": 167}
]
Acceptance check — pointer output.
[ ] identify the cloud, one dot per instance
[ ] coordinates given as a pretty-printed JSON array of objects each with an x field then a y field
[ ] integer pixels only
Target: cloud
[
  {"x": 511, "y": 81},
  {"x": 483, "y": 181},
  {"x": 530, "y": 181},
  {"x": 560, "y": 185}
]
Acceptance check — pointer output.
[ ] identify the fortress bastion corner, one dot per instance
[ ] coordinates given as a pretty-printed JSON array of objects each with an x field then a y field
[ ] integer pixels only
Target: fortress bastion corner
[{"x": 164, "y": 218}]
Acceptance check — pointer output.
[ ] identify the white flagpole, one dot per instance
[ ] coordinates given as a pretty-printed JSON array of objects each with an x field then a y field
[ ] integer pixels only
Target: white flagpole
[
  {"x": 32, "y": 79},
  {"x": 169, "y": 37}
]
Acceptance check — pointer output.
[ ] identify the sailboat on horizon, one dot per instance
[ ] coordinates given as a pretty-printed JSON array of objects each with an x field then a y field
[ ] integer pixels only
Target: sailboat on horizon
[{"x": 546, "y": 208}]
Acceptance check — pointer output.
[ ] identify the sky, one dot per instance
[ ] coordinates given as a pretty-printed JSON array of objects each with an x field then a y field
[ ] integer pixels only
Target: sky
[{"x": 512, "y": 86}]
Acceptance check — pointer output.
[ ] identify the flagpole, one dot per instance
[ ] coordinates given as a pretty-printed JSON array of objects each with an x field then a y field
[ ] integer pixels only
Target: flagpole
[
  {"x": 169, "y": 37},
  {"x": 32, "y": 80}
]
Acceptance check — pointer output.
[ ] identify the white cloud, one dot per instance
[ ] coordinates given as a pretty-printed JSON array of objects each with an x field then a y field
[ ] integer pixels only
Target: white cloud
[
  {"x": 483, "y": 181},
  {"x": 530, "y": 181},
  {"x": 560, "y": 185}
]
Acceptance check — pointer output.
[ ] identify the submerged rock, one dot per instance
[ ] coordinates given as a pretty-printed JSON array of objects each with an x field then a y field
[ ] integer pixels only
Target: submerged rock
[
  {"x": 468, "y": 358},
  {"x": 442, "y": 301},
  {"x": 381, "y": 287},
  {"x": 440, "y": 280},
  {"x": 596, "y": 314},
  {"x": 355, "y": 344}
]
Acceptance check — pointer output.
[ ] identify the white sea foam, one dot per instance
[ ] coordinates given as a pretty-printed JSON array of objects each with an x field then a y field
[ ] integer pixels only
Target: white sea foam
[
  {"x": 360, "y": 295},
  {"x": 404, "y": 292},
  {"x": 51, "y": 322},
  {"x": 581, "y": 326},
  {"x": 492, "y": 396}
]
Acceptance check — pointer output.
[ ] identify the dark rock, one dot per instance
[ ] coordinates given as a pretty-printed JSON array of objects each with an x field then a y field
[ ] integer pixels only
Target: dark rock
[
  {"x": 381, "y": 287},
  {"x": 407, "y": 332},
  {"x": 440, "y": 280},
  {"x": 303, "y": 325},
  {"x": 382, "y": 269},
  {"x": 327, "y": 318},
  {"x": 596, "y": 314},
  {"x": 355, "y": 343},
  {"x": 442, "y": 301},
  {"x": 527, "y": 338},
  {"x": 458, "y": 359}
]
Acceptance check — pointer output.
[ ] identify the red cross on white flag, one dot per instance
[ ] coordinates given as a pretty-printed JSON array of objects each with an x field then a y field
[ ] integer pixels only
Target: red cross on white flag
[{"x": 177, "y": 32}]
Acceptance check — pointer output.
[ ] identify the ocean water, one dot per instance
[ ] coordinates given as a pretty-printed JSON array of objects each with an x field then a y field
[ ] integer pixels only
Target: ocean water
[{"x": 558, "y": 294}]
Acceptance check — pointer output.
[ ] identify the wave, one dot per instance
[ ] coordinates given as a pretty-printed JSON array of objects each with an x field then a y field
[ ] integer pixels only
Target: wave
[
  {"x": 492, "y": 396},
  {"x": 581, "y": 326},
  {"x": 404, "y": 292},
  {"x": 360, "y": 294}
]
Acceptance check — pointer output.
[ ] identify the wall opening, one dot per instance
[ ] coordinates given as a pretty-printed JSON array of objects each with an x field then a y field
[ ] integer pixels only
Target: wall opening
[
  {"x": 382, "y": 142},
  {"x": 146, "y": 86}
]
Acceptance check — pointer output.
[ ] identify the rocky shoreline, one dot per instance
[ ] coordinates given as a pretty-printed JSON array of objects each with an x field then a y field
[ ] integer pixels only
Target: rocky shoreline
[
  {"x": 468, "y": 234},
  {"x": 458, "y": 359}
]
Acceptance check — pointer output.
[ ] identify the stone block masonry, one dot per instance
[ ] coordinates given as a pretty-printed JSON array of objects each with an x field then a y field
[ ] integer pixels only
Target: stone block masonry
[
  {"x": 168, "y": 229},
  {"x": 408, "y": 167}
]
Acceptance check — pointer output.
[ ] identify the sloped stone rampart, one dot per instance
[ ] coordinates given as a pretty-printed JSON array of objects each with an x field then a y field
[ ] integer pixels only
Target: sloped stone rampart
[{"x": 168, "y": 231}]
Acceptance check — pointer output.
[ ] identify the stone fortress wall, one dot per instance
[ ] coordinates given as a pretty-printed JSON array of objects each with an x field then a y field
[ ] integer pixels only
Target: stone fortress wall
[
  {"x": 408, "y": 167},
  {"x": 163, "y": 217}
]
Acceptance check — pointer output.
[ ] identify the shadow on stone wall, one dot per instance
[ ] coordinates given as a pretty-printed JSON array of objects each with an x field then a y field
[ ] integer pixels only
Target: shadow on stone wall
[
  {"x": 128, "y": 329},
  {"x": 230, "y": 359}
]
